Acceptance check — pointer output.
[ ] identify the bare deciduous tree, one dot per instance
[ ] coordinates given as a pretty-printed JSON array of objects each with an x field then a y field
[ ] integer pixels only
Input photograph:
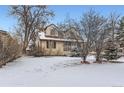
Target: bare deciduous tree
[
  {"x": 113, "y": 24},
  {"x": 88, "y": 26},
  {"x": 101, "y": 34},
  {"x": 91, "y": 32},
  {"x": 30, "y": 19}
]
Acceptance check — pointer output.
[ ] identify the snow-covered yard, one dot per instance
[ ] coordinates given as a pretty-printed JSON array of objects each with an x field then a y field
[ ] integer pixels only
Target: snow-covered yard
[{"x": 60, "y": 71}]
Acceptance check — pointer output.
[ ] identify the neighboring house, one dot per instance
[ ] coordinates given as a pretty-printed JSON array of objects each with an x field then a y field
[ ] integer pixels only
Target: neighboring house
[
  {"x": 55, "y": 42},
  {"x": 4, "y": 39},
  {"x": 4, "y": 36}
]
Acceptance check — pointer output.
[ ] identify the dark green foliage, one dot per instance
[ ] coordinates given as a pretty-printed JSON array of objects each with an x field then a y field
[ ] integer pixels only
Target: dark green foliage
[
  {"x": 120, "y": 33},
  {"x": 110, "y": 51}
]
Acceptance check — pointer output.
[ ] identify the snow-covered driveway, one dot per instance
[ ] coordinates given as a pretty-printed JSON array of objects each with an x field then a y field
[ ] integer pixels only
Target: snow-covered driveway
[{"x": 60, "y": 71}]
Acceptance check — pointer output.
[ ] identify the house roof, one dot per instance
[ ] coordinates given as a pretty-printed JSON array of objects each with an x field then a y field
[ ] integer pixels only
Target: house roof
[
  {"x": 3, "y": 32},
  {"x": 50, "y": 25},
  {"x": 59, "y": 39},
  {"x": 43, "y": 37},
  {"x": 62, "y": 35}
]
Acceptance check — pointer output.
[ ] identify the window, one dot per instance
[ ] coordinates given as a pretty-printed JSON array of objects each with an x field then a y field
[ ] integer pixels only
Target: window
[
  {"x": 67, "y": 46},
  {"x": 52, "y": 32},
  {"x": 54, "y": 44},
  {"x": 47, "y": 44},
  {"x": 51, "y": 44}
]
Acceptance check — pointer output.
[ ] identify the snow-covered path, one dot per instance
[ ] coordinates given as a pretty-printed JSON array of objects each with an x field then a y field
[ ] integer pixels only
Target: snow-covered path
[{"x": 60, "y": 71}]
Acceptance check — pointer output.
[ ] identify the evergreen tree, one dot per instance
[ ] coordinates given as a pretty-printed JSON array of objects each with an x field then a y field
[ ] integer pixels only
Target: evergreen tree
[
  {"x": 120, "y": 33},
  {"x": 110, "y": 51}
]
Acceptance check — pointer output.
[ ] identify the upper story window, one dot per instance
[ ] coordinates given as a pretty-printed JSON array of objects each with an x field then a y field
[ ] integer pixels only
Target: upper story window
[{"x": 53, "y": 32}]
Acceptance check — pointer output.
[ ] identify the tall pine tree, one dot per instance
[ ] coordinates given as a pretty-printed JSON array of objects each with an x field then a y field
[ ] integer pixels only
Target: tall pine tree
[
  {"x": 120, "y": 33},
  {"x": 110, "y": 50}
]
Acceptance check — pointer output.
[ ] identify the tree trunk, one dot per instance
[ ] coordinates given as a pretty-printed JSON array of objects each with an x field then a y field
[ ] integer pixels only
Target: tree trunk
[
  {"x": 98, "y": 59},
  {"x": 24, "y": 47},
  {"x": 84, "y": 58}
]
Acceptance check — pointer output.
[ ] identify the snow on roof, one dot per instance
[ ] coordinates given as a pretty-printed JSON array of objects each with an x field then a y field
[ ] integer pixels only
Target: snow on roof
[
  {"x": 3, "y": 32},
  {"x": 42, "y": 37},
  {"x": 51, "y": 25}
]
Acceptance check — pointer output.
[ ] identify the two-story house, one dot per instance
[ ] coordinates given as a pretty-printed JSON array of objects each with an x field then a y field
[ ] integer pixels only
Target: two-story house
[{"x": 55, "y": 42}]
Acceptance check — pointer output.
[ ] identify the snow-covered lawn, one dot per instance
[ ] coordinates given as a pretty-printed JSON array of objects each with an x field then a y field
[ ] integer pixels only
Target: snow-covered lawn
[{"x": 60, "y": 71}]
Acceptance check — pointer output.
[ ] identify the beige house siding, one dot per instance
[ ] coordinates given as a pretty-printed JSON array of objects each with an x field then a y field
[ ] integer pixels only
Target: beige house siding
[
  {"x": 51, "y": 31},
  {"x": 52, "y": 51},
  {"x": 4, "y": 37},
  {"x": 58, "y": 51}
]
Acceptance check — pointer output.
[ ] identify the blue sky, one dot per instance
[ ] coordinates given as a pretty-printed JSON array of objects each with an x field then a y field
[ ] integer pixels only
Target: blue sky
[{"x": 61, "y": 12}]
